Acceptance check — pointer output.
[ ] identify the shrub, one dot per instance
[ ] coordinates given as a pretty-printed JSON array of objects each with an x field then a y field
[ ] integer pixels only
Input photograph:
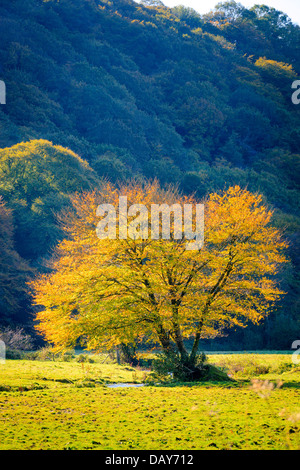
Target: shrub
[
  {"x": 262, "y": 369},
  {"x": 85, "y": 358},
  {"x": 67, "y": 356},
  {"x": 170, "y": 367},
  {"x": 13, "y": 354},
  {"x": 46, "y": 354}
]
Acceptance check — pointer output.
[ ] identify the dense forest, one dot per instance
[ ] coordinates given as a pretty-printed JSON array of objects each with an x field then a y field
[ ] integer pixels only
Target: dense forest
[{"x": 116, "y": 89}]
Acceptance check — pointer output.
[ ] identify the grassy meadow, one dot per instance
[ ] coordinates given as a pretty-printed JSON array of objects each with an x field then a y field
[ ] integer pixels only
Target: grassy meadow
[{"x": 56, "y": 404}]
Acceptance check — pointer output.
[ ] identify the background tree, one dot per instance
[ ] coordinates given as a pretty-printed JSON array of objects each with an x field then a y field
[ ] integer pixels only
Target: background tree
[
  {"x": 14, "y": 271},
  {"x": 108, "y": 292},
  {"x": 36, "y": 179}
]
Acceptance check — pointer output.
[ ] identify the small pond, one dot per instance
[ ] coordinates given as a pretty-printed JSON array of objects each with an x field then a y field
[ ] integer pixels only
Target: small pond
[{"x": 124, "y": 385}]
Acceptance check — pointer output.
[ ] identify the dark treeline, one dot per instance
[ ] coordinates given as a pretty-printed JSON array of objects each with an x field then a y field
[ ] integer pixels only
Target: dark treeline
[{"x": 118, "y": 89}]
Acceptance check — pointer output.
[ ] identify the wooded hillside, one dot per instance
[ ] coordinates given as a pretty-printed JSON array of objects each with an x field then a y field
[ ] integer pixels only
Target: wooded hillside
[{"x": 117, "y": 89}]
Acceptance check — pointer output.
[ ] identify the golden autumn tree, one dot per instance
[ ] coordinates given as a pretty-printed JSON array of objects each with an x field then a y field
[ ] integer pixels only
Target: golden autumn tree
[{"x": 123, "y": 289}]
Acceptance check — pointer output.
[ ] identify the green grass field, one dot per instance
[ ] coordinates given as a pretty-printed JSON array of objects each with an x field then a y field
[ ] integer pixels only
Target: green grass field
[{"x": 68, "y": 405}]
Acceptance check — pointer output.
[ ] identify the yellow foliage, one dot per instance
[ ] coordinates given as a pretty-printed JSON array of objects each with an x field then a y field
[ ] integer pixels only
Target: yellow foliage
[
  {"x": 277, "y": 69},
  {"x": 108, "y": 292}
]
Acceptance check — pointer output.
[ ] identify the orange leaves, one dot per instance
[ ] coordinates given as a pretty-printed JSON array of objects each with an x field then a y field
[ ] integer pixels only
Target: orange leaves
[{"x": 112, "y": 291}]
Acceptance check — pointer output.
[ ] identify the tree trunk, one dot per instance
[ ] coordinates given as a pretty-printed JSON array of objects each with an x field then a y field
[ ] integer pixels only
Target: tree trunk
[
  {"x": 178, "y": 338},
  {"x": 129, "y": 354},
  {"x": 195, "y": 347},
  {"x": 118, "y": 356}
]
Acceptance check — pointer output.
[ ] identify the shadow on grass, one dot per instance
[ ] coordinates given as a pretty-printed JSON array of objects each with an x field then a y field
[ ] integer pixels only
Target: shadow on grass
[
  {"x": 292, "y": 384},
  {"x": 212, "y": 376},
  {"x": 240, "y": 383},
  {"x": 199, "y": 384}
]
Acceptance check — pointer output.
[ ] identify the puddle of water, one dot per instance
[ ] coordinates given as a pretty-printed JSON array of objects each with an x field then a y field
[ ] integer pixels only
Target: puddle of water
[{"x": 124, "y": 385}]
